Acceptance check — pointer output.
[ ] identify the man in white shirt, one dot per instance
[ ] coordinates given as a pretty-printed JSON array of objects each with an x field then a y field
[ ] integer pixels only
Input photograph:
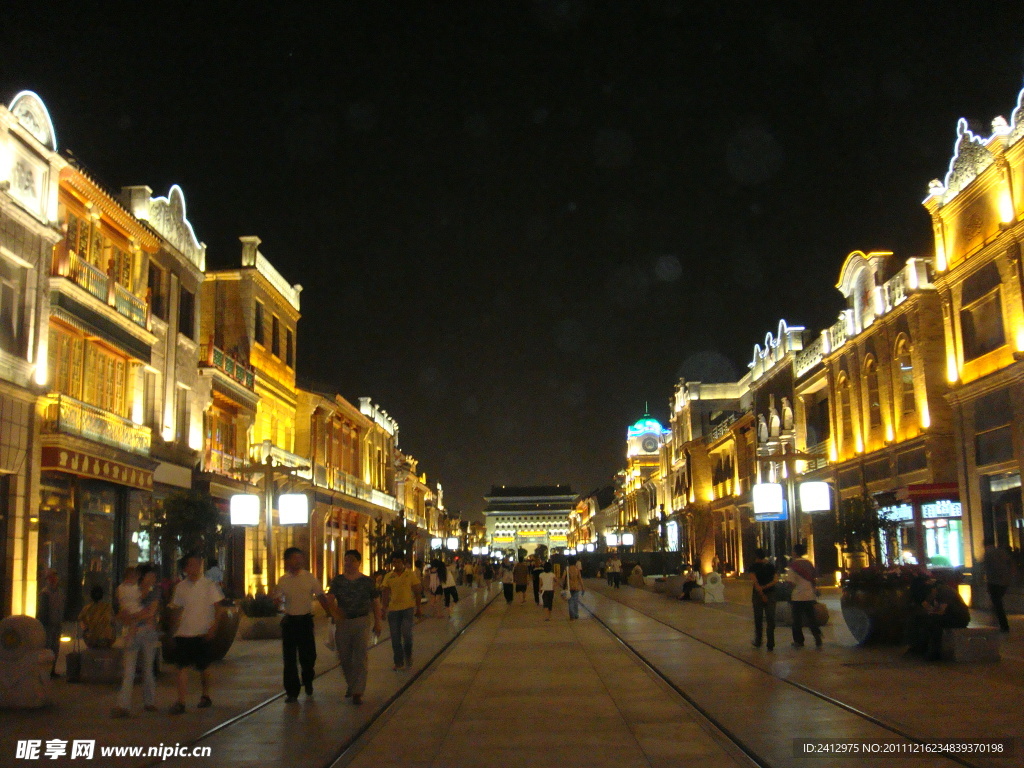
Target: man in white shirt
[
  {"x": 296, "y": 590},
  {"x": 199, "y": 599}
]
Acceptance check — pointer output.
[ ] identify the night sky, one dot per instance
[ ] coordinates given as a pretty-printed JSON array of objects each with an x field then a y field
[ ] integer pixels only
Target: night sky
[{"x": 516, "y": 222}]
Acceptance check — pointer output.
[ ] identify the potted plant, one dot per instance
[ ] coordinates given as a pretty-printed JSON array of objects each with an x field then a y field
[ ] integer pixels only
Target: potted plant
[
  {"x": 874, "y": 602},
  {"x": 261, "y": 620}
]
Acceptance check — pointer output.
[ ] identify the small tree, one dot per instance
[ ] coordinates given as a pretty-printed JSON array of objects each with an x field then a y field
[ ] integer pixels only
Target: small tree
[
  {"x": 702, "y": 534},
  {"x": 858, "y": 525},
  {"x": 190, "y": 523}
]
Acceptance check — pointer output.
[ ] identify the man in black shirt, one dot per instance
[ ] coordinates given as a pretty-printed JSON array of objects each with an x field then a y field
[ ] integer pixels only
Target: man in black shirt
[
  {"x": 356, "y": 609},
  {"x": 763, "y": 597}
]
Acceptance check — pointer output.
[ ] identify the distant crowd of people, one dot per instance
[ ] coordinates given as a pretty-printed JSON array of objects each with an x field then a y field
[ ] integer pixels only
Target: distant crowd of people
[{"x": 359, "y": 604}]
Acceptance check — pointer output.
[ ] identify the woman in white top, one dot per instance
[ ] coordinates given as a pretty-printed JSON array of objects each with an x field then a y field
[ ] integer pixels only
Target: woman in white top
[{"x": 547, "y": 589}]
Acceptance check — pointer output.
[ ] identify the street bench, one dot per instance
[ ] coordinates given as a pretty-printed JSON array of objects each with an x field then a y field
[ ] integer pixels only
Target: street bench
[{"x": 970, "y": 644}]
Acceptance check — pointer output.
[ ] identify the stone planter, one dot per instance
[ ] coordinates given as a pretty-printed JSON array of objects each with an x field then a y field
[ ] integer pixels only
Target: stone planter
[
  {"x": 224, "y": 632},
  {"x": 260, "y": 628},
  {"x": 875, "y": 615}
]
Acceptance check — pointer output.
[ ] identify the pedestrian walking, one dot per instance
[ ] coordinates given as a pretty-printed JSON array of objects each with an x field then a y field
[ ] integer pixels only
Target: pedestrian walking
[
  {"x": 356, "y": 608},
  {"x": 521, "y": 577},
  {"x": 434, "y": 589},
  {"x": 802, "y": 575},
  {"x": 141, "y": 638},
  {"x": 574, "y": 583},
  {"x": 295, "y": 591},
  {"x": 998, "y": 574},
  {"x": 764, "y": 579},
  {"x": 451, "y": 592},
  {"x": 507, "y": 584},
  {"x": 614, "y": 571},
  {"x": 50, "y": 612},
  {"x": 400, "y": 596},
  {"x": 547, "y": 589},
  {"x": 535, "y": 572},
  {"x": 467, "y": 573},
  {"x": 199, "y": 600},
  {"x": 488, "y": 574}
]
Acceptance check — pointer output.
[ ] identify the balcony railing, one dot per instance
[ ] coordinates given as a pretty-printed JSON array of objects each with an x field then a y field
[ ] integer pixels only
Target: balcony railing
[
  {"x": 837, "y": 334},
  {"x": 809, "y": 357},
  {"x": 821, "y": 449},
  {"x": 67, "y": 263},
  {"x": 223, "y": 463},
  {"x": 130, "y": 305},
  {"x": 67, "y": 415},
  {"x": 215, "y": 357},
  {"x": 343, "y": 482},
  {"x": 722, "y": 429},
  {"x": 895, "y": 290},
  {"x": 86, "y": 275}
]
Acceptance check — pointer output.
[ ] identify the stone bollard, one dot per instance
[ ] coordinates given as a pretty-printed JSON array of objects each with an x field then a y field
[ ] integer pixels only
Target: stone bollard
[{"x": 25, "y": 663}]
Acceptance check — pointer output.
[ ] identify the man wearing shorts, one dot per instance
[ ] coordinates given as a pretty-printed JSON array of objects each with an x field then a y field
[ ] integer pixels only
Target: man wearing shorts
[{"x": 199, "y": 600}]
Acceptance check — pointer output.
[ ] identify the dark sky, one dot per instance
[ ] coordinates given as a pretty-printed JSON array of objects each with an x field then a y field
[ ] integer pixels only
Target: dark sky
[{"x": 516, "y": 222}]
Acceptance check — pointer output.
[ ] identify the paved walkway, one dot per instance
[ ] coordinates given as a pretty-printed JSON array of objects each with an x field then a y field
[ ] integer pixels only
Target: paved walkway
[
  {"x": 705, "y": 650},
  {"x": 250, "y": 676},
  {"x": 518, "y": 690}
]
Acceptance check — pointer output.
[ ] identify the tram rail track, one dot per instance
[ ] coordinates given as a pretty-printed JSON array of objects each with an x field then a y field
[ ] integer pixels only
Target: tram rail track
[{"x": 741, "y": 743}]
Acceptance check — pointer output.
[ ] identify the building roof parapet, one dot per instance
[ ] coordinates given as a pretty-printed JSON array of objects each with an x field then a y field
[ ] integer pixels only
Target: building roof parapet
[
  {"x": 379, "y": 416},
  {"x": 251, "y": 257},
  {"x": 776, "y": 349},
  {"x": 167, "y": 217}
]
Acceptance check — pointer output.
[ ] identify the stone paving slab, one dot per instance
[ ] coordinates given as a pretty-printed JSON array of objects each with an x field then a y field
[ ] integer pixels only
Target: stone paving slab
[
  {"x": 747, "y": 689},
  {"x": 249, "y": 676},
  {"x": 541, "y": 694}
]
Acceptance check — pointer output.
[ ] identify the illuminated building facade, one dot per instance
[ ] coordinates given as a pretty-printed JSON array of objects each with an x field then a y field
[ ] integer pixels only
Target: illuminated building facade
[
  {"x": 332, "y": 433},
  {"x": 879, "y": 375},
  {"x": 172, "y": 400},
  {"x": 525, "y": 517},
  {"x": 709, "y": 470},
  {"x": 96, "y": 479},
  {"x": 641, "y": 504},
  {"x": 976, "y": 213},
  {"x": 29, "y": 227},
  {"x": 252, "y": 316}
]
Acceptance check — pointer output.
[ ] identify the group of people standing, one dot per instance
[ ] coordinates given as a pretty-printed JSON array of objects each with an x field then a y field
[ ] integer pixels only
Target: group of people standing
[{"x": 803, "y": 576}]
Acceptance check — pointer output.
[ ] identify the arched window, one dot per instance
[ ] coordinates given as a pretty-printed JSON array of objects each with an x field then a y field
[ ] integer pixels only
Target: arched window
[
  {"x": 871, "y": 388},
  {"x": 905, "y": 374},
  {"x": 845, "y": 412}
]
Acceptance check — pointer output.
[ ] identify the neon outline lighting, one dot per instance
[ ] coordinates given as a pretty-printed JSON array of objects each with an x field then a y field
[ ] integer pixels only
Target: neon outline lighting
[
  {"x": 199, "y": 245},
  {"x": 46, "y": 113}
]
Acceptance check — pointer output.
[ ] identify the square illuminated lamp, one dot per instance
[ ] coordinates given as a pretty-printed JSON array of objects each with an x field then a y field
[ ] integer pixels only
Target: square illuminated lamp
[
  {"x": 611, "y": 539},
  {"x": 590, "y": 547},
  {"x": 475, "y": 550},
  {"x": 485, "y": 550},
  {"x": 453, "y": 542},
  {"x": 768, "y": 499},
  {"x": 815, "y": 496},
  {"x": 245, "y": 509},
  {"x": 627, "y": 539},
  {"x": 436, "y": 543},
  {"x": 293, "y": 509}
]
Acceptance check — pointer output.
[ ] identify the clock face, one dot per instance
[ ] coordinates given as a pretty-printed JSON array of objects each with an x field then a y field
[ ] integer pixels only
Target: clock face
[{"x": 649, "y": 444}]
